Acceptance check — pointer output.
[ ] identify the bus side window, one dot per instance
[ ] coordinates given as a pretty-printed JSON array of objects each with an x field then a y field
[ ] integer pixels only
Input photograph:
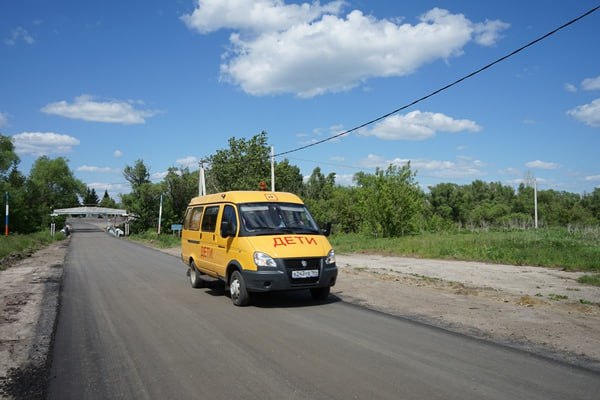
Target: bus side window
[
  {"x": 195, "y": 216},
  {"x": 230, "y": 217},
  {"x": 209, "y": 222}
]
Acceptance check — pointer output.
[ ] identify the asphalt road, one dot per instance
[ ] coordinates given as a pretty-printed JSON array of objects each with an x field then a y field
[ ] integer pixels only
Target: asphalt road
[{"x": 131, "y": 327}]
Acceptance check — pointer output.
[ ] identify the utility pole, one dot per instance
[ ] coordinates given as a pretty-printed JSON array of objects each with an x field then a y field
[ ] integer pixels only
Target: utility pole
[
  {"x": 201, "y": 179},
  {"x": 6, "y": 215},
  {"x": 160, "y": 213},
  {"x": 272, "y": 168},
  {"x": 530, "y": 180},
  {"x": 535, "y": 206}
]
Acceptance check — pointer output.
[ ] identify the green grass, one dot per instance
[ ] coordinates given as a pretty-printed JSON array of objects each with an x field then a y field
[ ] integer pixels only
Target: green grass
[
  {"x": 163, "y": 241},
  {"x": 15, "y": 244},
  {"x": 593, "y": 279},
  {"x": 556, "y": 248}
]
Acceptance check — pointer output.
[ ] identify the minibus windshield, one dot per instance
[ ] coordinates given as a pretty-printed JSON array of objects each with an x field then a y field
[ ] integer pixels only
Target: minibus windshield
[{"x": 276, "y": 218}]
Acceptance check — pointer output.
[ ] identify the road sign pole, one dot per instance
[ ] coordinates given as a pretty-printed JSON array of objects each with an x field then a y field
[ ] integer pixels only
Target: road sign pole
[{"x": 6, "y": 216}]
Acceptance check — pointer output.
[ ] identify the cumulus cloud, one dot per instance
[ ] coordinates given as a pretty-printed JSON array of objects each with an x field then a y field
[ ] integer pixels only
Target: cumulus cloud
[
  {"x": 118, "y": 153},
  {"x": 462, "y": 167},
  {"x": 489, "y": 32},
  {"x": 90, "y": 168},
  {"x": 538, "y": 164},
  {"x": 255, "y": 15},
  {"x": 17, "y": 35},
  {"x": 591, "y": 83},
  {"x": 3, "y": 119},
  {"x": 189, "y": 161},
  {"x": 311, "y": 49},
  {"x": 86, "y": 108},
  {"x": 43, "y": 143},
  {"x": 418, "y": 125},
  {"x": 589, "y": 114}
]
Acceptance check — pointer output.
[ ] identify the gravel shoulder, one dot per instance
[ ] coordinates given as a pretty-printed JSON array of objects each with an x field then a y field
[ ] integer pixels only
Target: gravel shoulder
[
  {"x": 540, "y": 310},
  {"x": 30, "y": 291}
]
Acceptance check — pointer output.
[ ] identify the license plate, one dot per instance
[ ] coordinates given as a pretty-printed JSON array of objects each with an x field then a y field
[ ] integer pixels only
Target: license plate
[{"x": 305, "y": 273}]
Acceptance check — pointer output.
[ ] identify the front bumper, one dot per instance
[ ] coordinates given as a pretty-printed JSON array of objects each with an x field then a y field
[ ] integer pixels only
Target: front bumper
[{"x": 281, "y": 277}]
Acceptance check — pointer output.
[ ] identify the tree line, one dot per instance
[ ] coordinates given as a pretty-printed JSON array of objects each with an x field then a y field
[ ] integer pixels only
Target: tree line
[
  {"x": 386, "y": 203},
  {"x": 50, "y": 185}
]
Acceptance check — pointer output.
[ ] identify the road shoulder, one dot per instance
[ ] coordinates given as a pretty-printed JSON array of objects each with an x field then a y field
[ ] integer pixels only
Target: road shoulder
[{"x": 30, "y": 302}]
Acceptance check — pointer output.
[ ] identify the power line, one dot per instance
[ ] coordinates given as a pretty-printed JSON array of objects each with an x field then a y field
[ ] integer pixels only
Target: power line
[{"x": 445, "y": 87}]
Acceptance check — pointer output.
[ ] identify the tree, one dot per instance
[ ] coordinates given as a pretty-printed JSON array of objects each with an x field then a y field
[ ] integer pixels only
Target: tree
[
  {"x": 8, "y": 158},
  {"x": 241, "y": 167},
  {"x": 288, "y": 178},
  {"x": 317, "y": 194},
  {"x": 51, "y": 184},
  {"x": 144, "y": 202},
  {"x": 12, "y": 182},
  {"x": 344, "y": 209},
  {"x": 90, "y": 198},
  {"x": 137, "y": 175},
  {"x": 107, "y": 201},
  {"x": 390, "y": 201},
  {"x": 180, "y": 185}
]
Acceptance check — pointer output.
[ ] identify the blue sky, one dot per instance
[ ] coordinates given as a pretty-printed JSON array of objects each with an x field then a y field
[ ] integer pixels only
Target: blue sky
[{"x": 104, "y": 83}]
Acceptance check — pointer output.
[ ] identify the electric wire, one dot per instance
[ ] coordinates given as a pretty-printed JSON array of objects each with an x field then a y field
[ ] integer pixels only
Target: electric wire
[{"x": 448, "y": 86}]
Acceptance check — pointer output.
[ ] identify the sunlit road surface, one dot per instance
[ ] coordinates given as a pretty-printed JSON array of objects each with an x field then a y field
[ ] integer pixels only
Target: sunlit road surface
[{"x": 131, "y": 327}]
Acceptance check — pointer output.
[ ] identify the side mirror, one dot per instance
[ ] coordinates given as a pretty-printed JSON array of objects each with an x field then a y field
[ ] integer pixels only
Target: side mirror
[
  {"x": 327, "y": 230},
  {"x": 227, "y": 229}
]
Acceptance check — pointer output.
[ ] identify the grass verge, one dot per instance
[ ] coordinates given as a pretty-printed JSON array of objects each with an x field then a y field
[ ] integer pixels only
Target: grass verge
[
  {"x": 556, "y": 248},
  {"x": 14, "y": 247},
  {"x": 156, "y": 240}
]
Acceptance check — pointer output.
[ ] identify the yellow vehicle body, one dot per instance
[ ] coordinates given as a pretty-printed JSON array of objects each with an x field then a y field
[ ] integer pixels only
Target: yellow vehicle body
[{"x": 256, "y": 241}]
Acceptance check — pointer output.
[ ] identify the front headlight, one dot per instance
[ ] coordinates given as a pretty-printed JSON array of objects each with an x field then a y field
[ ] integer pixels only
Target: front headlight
[
  {"x": 330, "y": 257},
  {"x": 263, "y": 260}
]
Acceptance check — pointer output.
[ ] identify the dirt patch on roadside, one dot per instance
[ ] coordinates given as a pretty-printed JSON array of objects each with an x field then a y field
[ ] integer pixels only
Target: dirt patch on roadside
[
  {"x": 541, "y": 310},
  {"x": 30, "y": 291}
]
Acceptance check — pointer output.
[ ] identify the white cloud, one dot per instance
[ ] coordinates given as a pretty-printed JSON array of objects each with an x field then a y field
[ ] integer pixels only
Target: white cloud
[
  {"x": 591, "y": 83},
  {"x": 86, "y": 108},
  {"x": 418, "y": 125},
  {"x": 19, "y": 34},
  {"x": 118, "y": 153},
  {"x": 589, "y": 114},
  {"x": 593, "y": 178},
  {"x": 489, "y": 33},
  {"x": 43, "y": 143},
  {"x": 3, "y": 119},
  {"x": 113, "y": 188},
  {"x": 463, "y": 167},
  {"x": 159, "y": 175},
  {"x": 538, "y": 164},
  {"x": 569, "y": 87},
  {"x": 310, "y": 50},
  {"x": 90, "y": 168},
  {"x": 344, "y": 179},
  {"x": 254, "y": 15},
  {"x": 189, "y": 162}
]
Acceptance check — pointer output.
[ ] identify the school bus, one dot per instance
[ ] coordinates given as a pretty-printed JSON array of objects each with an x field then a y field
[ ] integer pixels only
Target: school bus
[{"x": 256, "y": 241}]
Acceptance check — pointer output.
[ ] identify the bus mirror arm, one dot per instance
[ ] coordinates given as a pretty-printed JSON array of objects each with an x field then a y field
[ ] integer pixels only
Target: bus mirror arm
[{"x": 327, "y": 231}]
